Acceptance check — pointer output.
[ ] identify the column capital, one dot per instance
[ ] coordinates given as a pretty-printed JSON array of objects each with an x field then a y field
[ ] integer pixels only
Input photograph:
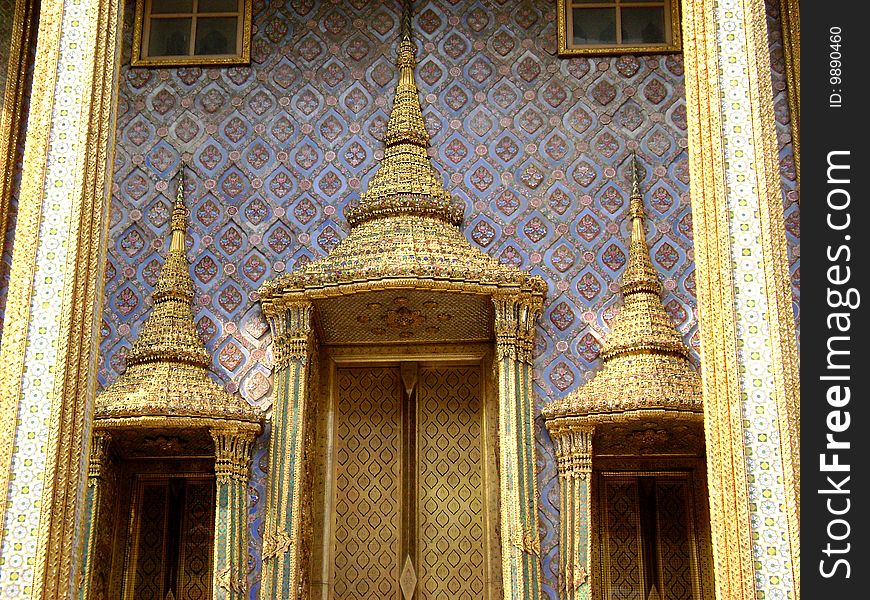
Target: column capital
[
  {"x": 233, "y": 449},
  {"x": 292, "y": 326},
  {"x": 100, "y": 456},
  {"x": 515, "y": 316}
]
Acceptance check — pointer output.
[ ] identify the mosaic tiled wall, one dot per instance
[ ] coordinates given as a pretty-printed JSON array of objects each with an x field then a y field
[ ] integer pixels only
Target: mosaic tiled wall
[
  {"x": 788, "y": 174},
  {"x": 536, "y": 147}
]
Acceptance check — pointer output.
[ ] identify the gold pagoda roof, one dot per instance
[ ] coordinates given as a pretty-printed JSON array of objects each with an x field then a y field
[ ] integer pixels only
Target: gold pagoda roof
[
  {"x": 646, "y": 365},
  {"x": 405, "y": 229},
  {"x": 167, "y": 368}
]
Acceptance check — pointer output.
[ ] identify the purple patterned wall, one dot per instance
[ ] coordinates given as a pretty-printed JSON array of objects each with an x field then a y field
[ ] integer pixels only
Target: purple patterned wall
[
  {"x": 788, "y": 175},
  {"x": 536, "y": 146}
]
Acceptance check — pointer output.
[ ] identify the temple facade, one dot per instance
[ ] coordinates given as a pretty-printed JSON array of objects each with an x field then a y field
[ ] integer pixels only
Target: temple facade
[{"x": 401, "y": 299}]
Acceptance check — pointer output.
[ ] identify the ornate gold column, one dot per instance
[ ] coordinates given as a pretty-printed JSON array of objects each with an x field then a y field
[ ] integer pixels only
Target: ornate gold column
[
  {"x": 98, "y": 470},
  {"x": 293, "y": 346},
  {"x": 49, "y": 347},
  {"x": 574, "y": 461},
  {"x": 232, "y": 450},
  {"x": 515, "y": 317},
  {"x": 749, "y": 358}
]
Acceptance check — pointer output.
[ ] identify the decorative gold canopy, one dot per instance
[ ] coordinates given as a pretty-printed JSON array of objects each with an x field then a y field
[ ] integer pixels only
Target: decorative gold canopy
[
  {"x": 405, "y": 231},
  {"x": 646, "y": 365},
  {"x": 167, "y": 368}
]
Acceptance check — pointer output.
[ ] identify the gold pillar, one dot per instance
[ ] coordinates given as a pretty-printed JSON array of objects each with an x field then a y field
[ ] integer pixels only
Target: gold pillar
[
  {"x": 283, "y": 553},
  {"x": 573, "y": 445},
  {"x": 749, "y": 357},
  {"x": 51, "y": 330},
  {"x": 232, "y": 467},
  {"x": 98, "y": 470},
  {"x": 515, "y": 317}
]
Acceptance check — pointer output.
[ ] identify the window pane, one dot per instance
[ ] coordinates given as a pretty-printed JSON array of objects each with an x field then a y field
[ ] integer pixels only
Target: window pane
[
  {"x": 643, "y": 25},
  {"x": 169, "y": 37},
  {"x": 594, "y": 26},
  {"x": 216, "y": 35},
  {"x": 171, "y": 6},
  {"x": 212, "y": 6}
]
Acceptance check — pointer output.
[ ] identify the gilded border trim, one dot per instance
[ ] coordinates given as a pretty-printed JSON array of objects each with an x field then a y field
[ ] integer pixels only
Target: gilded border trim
[{"x": 790, "y": 22}]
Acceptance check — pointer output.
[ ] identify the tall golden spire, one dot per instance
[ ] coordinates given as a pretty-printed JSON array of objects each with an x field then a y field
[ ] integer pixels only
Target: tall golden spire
[
  {"x": 406, "y": 182},
  {"x": 167, "y": 368},
  {"x": 645, "y": 362},
  {"x": 170, "y": 330}
]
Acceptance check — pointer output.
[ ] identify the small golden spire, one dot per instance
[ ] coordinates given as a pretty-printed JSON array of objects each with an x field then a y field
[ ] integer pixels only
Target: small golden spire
[
  {"x": 170, "y": 330},
  {"x": 640, "y": 275},
  {"x": 406, "y": 182},
  {"x": 645, "y": 361}
]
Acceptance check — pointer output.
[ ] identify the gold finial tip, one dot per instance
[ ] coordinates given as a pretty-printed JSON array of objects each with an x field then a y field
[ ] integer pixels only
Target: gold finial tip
[{"x": 179, "y": 211}]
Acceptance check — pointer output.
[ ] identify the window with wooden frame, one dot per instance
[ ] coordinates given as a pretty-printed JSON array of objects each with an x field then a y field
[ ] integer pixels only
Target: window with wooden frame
[
  {"x": 192, "y": 32},
  {"x": 618, "y": 26}
]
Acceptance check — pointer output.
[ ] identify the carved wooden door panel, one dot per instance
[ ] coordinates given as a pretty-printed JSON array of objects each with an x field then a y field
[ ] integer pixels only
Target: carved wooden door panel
[
  {"x": 409, "y": 505},
  {"x": 648, "y": 545}
]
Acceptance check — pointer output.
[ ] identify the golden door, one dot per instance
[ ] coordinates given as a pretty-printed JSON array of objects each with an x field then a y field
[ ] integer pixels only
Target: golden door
[{"x": 409, "y": 509}]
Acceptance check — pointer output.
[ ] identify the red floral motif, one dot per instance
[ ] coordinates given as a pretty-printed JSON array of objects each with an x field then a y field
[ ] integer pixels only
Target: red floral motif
[
  {"x": 588, "y": 348},
  {"x": 230, "y": 357},
  {"x": 532, "y": 176},
  {"x": 284, "y": 75},
  {"x": 358, "y": 48},
  {"x": 328, "y": 239},
  {"x": 563, "y": 258},
  {"x": 631, "y": 116},
  {"x": 231, "y": 240},
  {"x": 279, "y": 240},
  {"x": 126, "y": 300},
  {"x": 430, "y": 72},
  {"x": 282, "y": 129},
  {"x": 333, "y": 74},
  {"x": 559, "y": 200},
  {"x": 356, "y": 100},
  {"x": 613, "y": 257},
  {"x": 585, "y": 174},
  {"x": 556, "y": 147},
  {"x": 151, "y": 271},
  {"x": 163, "y": 101},
  {"x": 481, "y": 178},
  {"x": 330, "y": 128},
  {"x": 230, "y": 298},
  {"x": 302, "y": 7},
  {"x": 260, "y": 102},
  {"x": 528, "y": 69},
  {"x": 684, "y": 225},
  {"x": 554, "y": 94},
  {"x": 676, "y": 312},
  {"x": 678, "y": 117},
  {"x": 507, "y": 202},
  {"x": 511, "y": 256},
  {"x": 281, "y": 184},
  {"x": 208, "y": 212},
  {"x": 382, "y": 22},
  {"x": 206, "y": 329},
  {"x": 355, "y": 155},
  {"x": 661, "y": 199},
  {"x": 503, "y": 43},
  {"x": 455, "y": 151},
  {"x": 655, "y": 91},
  {"x": 674, "y": 64},
  {"x": 429, "y": 21},
  {"x": 455, "y": 97},
  {"x": 304, "y": 210},
  {"x": 378, "y": 128},
  {"x": 139, "y": 131},
  {"x": 382, "y": 73},
  {"x": 658, "y": 142},
  {"x": 588, "y": 228},
  {"x": 531, "y": 120},
  {"x": 136, "y": 186},
  {"x": 483, "y": 233},
  {"x": 562, "y": 316},
  {"x": 455, "y": 46},
  {"x": 254, "y": 268},
  {"x": 612, "y": 200},
  {"x": 525, "y": 16},
  {"x": 689, "y": 283},
  {"x": 667, "y": 256},
  {"x": 233, "y": 184},
  {"x": 330, "y": 183},
  {"x": 205, "y": 269},
  {"x": 627, "y": 65},
  {"x": 477, "y": 19},
  {"x": 256, "y": 211},
  {"x": 506, "y": 149},
  {"x": 310, "y": 48},
  {"x": 307, "y": 102},
  {"x": 305, "y": 157},
  {"x": 604, "y": 92},
  {"x": 210, "y": 157},
  {"x": 480, "y": 123},
  {"x": 212, "y": 100},
  {"x": 188, "y": 75},
  {"x": 588, "y": 286},
  {"x": 186, "y": 129},
  {"x": 132, "y": 243},
  {"x": 579, "y": 119},
  {"x": 562, "y": 376},
  {"x": 535, "y": 229},
  {"x": 479, "y": 71},
  {"x": 607, "y": 144},
  {"x": 276, "y": 29},
  {"x": 504, "y": 95},
  {"x": 158, "y": 214}
]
